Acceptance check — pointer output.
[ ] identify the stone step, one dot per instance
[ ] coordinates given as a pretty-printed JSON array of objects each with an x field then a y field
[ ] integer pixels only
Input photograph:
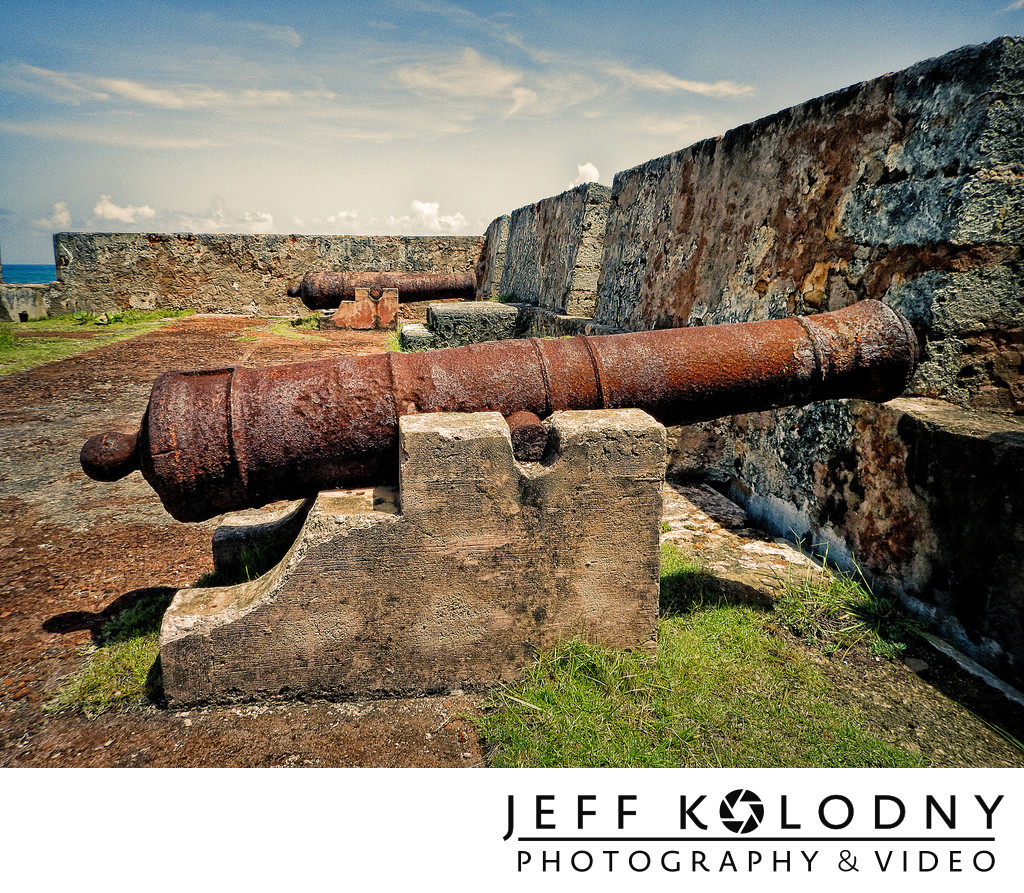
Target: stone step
[
  {"x": 466, "y": 322},
  {"x": 470, "y": 322}
]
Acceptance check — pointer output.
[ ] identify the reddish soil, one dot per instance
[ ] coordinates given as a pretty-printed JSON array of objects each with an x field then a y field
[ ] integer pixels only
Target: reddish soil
[{"x": 73, "y": 552}]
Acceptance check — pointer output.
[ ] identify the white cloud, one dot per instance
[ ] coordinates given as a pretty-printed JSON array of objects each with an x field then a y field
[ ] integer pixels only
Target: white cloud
[
  {"x": 522, "y": 97},
  {"x": 276, "y": 33},
  {"x": 218, "y": 218},
  {"x": 346, "y": 222},
  {"x": 585, "y": 173},
  {"x": 283, "y": 34},
  {"x": 343, "y": 217},
  {"x": 106, "y": 210},
  {"x": 215, "y": 220},
  {"x": 75, "y": 88},
  {"x": 681, "y": 126},
  {"x": 427, "y": 216},
  {"x": 1018, "y": 4},
  {"x": 108, "y": 136},
  {"x": 652, "y": 79},
  {"x": 469, "y": 75},
  {"x": 53, "y": 85},
  {"x": 480, "y": 84},
  {"x": 197, "y": 96},
  {"x": 465, "y": 19},
  {"x": 258, "y": 222},
  {"x": 159, "y": 97},
  {"x": 59, "y": 219}
]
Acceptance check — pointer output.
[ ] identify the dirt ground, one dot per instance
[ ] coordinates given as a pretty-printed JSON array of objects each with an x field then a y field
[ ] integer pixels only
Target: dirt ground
[{"x": 74, "y": 551}]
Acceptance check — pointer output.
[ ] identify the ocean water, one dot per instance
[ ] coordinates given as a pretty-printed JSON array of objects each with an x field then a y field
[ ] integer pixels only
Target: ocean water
[{"x": 14, "y": 274}]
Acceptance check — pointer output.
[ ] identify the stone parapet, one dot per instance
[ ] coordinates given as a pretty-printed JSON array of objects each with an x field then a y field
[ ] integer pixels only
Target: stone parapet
[
  {"x": 491, "y": 266},
  {"x": 554, "y": 250},
  {"x": 481, "y": 562},
  {"x": 234, "y": 273},
  {"x": 464, "y": 322},
  {"x": 908, "y": 188}
]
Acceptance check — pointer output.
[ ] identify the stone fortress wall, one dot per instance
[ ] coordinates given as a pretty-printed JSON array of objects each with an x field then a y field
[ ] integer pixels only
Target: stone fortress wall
[
  {"x": 908, "y": 188},
  {"x": 221, "y": 273}
]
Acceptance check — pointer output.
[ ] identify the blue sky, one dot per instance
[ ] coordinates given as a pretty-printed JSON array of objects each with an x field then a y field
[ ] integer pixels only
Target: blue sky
[{"x": 415, "y": 117}]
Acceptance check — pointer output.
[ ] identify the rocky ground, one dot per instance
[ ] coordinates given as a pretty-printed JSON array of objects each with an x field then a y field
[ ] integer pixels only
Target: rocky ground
[{"x": 73, "y": 551}]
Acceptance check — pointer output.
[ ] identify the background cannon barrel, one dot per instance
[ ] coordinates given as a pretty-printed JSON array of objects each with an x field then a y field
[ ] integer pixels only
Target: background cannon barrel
[
  {"x": 323, "y": 291},
  {"x": 220, "y": 440}
]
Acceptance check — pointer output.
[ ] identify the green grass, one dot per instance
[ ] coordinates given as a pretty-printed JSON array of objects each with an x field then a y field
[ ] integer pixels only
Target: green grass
[
  {"x": 254, "y": 562},
  {"x": 112, "y": 320},
  {"x": 685, "y": 582},
  {"x": 300, "y": 327},
  {"x": 836, "y": 611},
  {"x": 17, "y": 354},
  {"x": 122, "y": 666},
  {"x": 311, "y": 322},
  {"x": 724, "y": 690}
]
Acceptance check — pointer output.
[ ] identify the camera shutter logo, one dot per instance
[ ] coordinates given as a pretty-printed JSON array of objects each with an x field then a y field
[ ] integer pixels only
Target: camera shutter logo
[{"x": 741, "y": 811}]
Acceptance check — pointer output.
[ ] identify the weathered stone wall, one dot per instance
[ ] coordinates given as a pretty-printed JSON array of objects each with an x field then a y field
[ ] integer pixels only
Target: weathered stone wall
[
  {"x": 491, "y": 266},
  {"x": 19, "y": 303},
  {"x": 554, "y": 250},
  {"x": 233, "y": 273},
  {"x": 908, "y": 188},
  {"x": 924, "y": 497},
  {"x": 917, "y": 199}
]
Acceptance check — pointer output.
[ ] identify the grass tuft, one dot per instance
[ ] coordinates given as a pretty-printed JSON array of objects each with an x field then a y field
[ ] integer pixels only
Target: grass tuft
[
  {"x": 254, "y": 562},
  {"x": 300, "y": 327},
  {"x": 836, "y": 611},
  {"x": 140, "y": 620},
  {"x": 581, "y": 705},
  {"x": 122, "y": 668},
  {"x": 310, "y": 321}
]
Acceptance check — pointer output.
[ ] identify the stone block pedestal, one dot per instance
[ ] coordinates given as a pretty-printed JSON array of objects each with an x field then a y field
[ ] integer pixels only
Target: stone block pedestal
[
  {"x": 371, "y": 308},
  {"x": 476, "y": 563}
]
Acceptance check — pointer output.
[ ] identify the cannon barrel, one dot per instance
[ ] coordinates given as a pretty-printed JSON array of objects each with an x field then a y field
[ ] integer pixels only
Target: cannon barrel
[
  {"x": 224, "y": 439},
  {"x": 323, "y": 291}
]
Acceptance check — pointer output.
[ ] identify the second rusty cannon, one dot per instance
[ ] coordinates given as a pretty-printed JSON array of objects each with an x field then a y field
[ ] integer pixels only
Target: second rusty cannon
[
  {"x": 219, "y": 440},
  {"x": 326, "y": 290}
]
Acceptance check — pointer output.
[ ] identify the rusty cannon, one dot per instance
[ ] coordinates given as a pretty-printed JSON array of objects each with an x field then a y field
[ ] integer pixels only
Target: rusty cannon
[
  {"x": 325, "y": 291},
  {"x": 225, "y": 439}
]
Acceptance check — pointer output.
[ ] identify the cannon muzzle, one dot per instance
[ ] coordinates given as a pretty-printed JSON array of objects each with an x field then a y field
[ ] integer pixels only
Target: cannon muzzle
[{"x": 225, "y": 439}]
